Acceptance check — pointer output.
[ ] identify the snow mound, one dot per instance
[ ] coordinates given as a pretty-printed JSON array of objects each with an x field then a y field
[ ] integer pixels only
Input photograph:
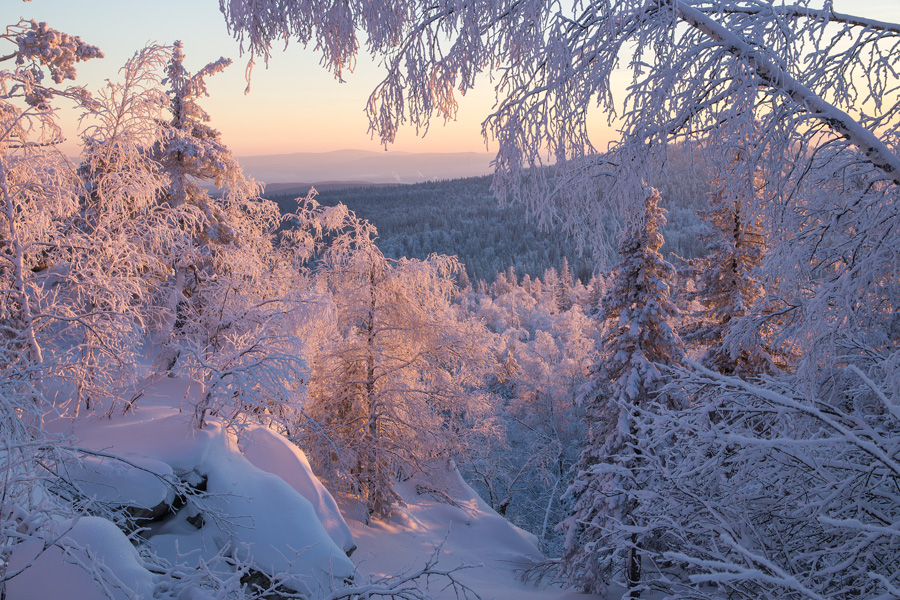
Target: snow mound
[
  {"x": 61, "y": 571},
  {"x": 267, "y": 520},
  {"x": 272, "y": 453},
  {"x": 129, "y": 480},
  {"x": 196, "y": 496}
]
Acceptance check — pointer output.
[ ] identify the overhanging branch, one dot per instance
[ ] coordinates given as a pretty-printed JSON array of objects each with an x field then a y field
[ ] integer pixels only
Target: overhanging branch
[{"x": 774, "y": 76}]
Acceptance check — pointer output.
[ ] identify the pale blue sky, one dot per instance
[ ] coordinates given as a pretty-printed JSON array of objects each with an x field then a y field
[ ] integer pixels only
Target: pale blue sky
[{"x": 295, "y": 105}]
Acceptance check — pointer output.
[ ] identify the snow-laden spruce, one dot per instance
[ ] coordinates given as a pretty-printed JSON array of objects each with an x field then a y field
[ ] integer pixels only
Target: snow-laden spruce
[{"x": 603, "y": 543}]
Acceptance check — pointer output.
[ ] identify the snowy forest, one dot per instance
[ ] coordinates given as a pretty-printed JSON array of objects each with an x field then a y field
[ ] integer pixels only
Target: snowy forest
[
  {"x": 460, "y": 217},
  {"x": 210, "y": 395}
]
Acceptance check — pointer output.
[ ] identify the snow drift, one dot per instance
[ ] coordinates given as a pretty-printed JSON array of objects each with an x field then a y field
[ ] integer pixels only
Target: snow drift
[{"x": 184, "y": 497}]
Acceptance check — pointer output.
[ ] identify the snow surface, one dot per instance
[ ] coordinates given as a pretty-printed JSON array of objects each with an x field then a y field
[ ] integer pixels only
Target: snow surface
[
  {"x": 262, "y": 500},
  {"x": 471, "y": 532},
  {"x": 59, "y": 571},
  {"x": 278, "y": 525},
  {"x": 139, "y": 482},
  {"x": 274, "y": 454}
]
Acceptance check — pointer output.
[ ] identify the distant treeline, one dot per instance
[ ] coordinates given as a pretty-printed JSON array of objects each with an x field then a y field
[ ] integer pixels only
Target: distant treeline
[{"x": 462, "y": 217}]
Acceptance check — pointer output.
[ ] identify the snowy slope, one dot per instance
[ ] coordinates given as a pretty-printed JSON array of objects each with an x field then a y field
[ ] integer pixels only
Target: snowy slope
[
  {"x": 253, "y": 497},
  {"x": 208, "y": 500},
  {"x": 471, "y": 532}
]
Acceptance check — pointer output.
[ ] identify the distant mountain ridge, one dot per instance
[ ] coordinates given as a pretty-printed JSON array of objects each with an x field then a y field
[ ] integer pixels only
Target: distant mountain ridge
[
  {"x": 301, "y": 189},
  {"x": 359, "y": 166}
]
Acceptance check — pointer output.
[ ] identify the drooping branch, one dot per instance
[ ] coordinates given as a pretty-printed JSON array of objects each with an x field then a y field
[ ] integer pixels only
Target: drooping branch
[{"x": 776, "y": 77}]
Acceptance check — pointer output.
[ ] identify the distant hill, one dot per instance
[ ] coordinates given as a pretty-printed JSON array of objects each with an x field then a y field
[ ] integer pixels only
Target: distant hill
[
  {"x": 301, "y": 189},
  {"x": 364, "y": 166},
  {"x": 461, "y": 217},
  {"x": 457, "y": 217}
]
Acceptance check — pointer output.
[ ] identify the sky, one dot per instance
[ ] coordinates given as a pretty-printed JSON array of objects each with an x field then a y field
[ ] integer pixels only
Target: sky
[{"x": 294, "y": 105}]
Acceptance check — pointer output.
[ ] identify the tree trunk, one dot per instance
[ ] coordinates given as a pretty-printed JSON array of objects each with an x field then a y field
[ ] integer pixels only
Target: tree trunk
[{"x": 373, "y": 493}]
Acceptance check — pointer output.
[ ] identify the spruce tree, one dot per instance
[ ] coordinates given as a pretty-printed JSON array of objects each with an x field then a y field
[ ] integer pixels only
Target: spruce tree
[
  {"x": 727, "y": 282},
  {"x": 192, "y": 151},
  {"x": 600, "y": 546},
  {"x": 230, "y": 240},
  {"x": 563, "y": 291},
  {"x": 595, "y": 295}
]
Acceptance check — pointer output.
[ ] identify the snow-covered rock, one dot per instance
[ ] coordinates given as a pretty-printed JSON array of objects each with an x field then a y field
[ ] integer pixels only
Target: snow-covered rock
[
  {"x": 136, "y": 482},
  {"x": 91, "y": 560},
  {"x": 267, "y": 520},
  {"x": 267, "y": 508},
  {"x": 274, "y": 454}
]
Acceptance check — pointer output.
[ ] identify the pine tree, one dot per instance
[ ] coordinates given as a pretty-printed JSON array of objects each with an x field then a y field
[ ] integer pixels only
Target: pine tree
[
  {"x": 463, "y": 281},
  {"x": 598, "y": 548},
  {"x": 550, "y": 283}
]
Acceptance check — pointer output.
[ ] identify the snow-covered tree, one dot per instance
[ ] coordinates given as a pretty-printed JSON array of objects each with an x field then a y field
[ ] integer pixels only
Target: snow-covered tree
[
  {"x": 563, "y": 290},
  {"x": 37, "y": 198},
  {"x": 121, "y": 242},
  {"x": 36, "y": 183},
  {"x": 728, "y": 277},
  {"x": 232, "y": 235},
  {"x": 762, "y": 492},
  {"x": 216, "y": 304},
  {"x": 604, "y": 541},
  {"x": 396, "y": 367},
  {"x": 595, "y": 295},
  {"x": 191, "y": 150}
]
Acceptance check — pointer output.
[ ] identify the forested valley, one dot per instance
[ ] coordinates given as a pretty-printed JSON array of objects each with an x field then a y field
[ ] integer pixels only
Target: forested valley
[{"x": 463, "y": 218}]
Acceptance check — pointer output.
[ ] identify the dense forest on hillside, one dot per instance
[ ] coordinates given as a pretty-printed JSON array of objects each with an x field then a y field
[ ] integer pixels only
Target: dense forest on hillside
[{"x": 462, "y": 217}]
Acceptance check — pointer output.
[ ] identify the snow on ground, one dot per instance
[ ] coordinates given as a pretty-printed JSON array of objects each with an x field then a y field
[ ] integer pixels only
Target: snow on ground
[
  {"x": 471, "y": 533},
  {"x": 258, "y": 494},
  {"x": 62, "y": 571},
  {"x": 278, "y": 519}
]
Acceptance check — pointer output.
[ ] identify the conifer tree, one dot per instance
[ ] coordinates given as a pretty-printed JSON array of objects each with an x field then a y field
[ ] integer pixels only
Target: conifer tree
[
  {"x": 601, "y": 546},
  {"x": 563, "y": 291},
  {"x": 191, "y": 150},
  {"x": 595, "y": 295},
  {"x": 231, "y": 246},
  {"x": 550, "y": 281},
  {"x": 726, "y": 283}
]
